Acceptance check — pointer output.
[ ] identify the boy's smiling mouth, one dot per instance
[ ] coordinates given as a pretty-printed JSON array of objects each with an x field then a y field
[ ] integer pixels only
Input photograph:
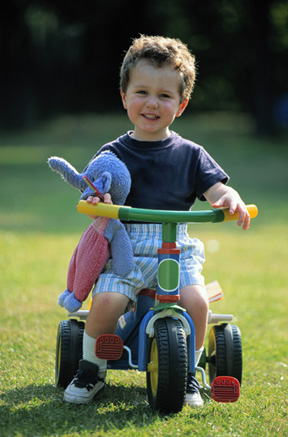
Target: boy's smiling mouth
[{"x": 150, "y": 116}]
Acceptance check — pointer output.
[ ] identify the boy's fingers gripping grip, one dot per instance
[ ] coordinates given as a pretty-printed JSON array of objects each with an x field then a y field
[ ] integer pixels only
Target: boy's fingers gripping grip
[
  {"x": 252, "y": 209},
  {"x": 101, "y": 209}
]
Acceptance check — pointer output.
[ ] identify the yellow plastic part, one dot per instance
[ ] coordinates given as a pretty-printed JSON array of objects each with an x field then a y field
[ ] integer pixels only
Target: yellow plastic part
[
  {"x": 101, "y": 210},
  {"x": 152, "y": 367},
  {"x": 252, "y": 209}
]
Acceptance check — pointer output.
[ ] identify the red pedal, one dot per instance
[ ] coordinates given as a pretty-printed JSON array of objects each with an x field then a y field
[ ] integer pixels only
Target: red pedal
[
  {"x": 109, "y": 347},
  {"x": 225, "y": 389}
]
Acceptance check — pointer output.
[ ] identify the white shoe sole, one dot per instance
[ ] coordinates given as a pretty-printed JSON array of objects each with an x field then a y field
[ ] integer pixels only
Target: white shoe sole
[{"x": 75, "y": 395}]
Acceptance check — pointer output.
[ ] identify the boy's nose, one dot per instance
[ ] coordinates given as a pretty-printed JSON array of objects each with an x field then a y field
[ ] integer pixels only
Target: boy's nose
[{"x": 152, "y": 102}]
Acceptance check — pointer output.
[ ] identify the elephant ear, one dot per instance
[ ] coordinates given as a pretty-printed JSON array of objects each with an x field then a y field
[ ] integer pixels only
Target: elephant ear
[
  {"x": 102, "y": 184},
  {"x": 67, "y": 171}
]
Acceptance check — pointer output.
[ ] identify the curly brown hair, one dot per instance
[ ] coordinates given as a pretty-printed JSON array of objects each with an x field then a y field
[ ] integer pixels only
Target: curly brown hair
[{"x": 161, "y": 51}]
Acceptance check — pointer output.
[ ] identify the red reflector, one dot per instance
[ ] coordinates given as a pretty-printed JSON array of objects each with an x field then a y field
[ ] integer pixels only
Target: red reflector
[
  {"x": 109, "y": 347},
  {"x": 165, "y": 298},
  {"x": 225, "y": 389}
]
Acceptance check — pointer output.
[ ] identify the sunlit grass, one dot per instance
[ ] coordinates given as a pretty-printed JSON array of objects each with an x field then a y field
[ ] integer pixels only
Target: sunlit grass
[{"x": 39, "y": 231}]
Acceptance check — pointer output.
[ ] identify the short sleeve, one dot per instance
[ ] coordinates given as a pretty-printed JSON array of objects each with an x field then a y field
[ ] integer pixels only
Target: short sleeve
[{"x": 208, "y": 173}]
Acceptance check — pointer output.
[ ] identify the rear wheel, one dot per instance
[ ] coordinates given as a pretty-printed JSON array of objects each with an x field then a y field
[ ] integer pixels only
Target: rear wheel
[
  {"x": 167, "y": 366},
  {"x": 68, "y": 351},
  {"x": 225, "y": 352}
]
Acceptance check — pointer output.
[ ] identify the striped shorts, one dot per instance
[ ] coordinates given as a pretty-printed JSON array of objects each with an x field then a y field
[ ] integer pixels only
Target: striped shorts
[{"x": 146, "y": 240}]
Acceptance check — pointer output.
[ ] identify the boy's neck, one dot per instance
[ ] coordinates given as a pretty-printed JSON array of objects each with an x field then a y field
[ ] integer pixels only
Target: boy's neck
[{"x": 151, "y": 137}]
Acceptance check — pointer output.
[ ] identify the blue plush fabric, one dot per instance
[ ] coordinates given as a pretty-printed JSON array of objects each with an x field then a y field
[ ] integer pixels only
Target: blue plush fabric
[
  {"x": 105, "y": 168},
  {"x": 108, "y": 174}
]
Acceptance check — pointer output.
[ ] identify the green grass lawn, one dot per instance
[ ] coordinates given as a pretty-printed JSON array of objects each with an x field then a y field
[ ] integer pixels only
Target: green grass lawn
[{"x": 39, "y": 229}]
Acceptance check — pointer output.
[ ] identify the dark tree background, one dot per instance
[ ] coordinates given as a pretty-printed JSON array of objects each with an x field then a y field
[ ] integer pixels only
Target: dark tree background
[{"x": 59, "y": 56}]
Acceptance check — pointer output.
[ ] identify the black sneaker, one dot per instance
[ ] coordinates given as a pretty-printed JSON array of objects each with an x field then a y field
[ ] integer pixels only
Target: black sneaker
[
  {"x": 193, "y": 397},
  {"x": 85, "y": 385}
]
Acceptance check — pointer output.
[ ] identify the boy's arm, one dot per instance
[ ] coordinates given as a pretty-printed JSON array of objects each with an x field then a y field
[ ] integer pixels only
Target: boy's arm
[{"x": 221, "y": 196}]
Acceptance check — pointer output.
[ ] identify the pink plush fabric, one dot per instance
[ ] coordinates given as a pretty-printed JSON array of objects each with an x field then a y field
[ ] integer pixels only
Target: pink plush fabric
[{"x": 88, "y": 259}]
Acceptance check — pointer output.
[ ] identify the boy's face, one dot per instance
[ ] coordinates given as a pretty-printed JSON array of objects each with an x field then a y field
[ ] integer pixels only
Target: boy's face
[{"x": 152, "y": 100}]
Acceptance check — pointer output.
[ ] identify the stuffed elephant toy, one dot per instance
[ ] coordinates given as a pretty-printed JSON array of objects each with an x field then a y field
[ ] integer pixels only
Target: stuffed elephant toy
[{"x": 104, "y": 237}]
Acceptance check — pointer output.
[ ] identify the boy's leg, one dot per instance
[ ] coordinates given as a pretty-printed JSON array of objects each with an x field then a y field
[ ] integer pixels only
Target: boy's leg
[
  {"x": 194, "y": 299},
  {"x": 105, "y": 311},
  {"x": 103, "y": 316},
  {"x": 99, "y": 323}
]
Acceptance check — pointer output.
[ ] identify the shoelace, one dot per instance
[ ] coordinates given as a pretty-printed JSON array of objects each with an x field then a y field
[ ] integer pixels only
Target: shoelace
[
  {"x": 193, "y": 385},
  {"x": 86, "y": 379}
]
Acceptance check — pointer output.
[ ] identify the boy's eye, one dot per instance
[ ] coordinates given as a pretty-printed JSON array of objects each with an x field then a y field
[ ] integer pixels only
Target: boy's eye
[{"x": 141, "y": 92}]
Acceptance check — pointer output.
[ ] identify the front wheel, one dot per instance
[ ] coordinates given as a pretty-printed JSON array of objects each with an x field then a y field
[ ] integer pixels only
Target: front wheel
[{"x": 167, "y": 366}]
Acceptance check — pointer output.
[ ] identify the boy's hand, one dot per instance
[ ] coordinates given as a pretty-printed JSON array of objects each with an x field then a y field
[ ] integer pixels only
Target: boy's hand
[
  {"x": 235, "y": 204},
  {"x": 221, "y": 196},
  {"x": 94, "y": 200}
]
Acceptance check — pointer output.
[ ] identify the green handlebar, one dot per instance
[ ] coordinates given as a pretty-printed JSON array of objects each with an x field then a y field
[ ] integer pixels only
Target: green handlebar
[
  {"x": 126, "y": 213},
  {"x": 162, "y": 216}
]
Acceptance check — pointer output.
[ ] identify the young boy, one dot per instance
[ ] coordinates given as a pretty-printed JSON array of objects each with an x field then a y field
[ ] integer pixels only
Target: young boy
[{"x": 168, "y": 172}]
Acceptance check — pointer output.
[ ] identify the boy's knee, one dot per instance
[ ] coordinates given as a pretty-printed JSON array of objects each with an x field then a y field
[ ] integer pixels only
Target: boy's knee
[
  {"x": 102, "y": 299},
  {"x": 195, "y": 296},
  {"x": 202, "y": 302},
  {"x": 204, "y": 297},
  {"x": 106, "y": 301},
  {"x": 106, "y": 308}
]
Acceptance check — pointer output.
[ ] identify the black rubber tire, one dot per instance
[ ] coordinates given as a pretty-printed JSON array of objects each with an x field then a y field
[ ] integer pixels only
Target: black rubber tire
[
  {"x": 68, "y": 351},
  {"x": 225, "y": 352},
  {"x": 166, "y": 385}
]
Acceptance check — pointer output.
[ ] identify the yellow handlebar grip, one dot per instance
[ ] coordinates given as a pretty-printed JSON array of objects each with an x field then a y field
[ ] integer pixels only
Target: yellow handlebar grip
[
  {"x": 101, "y": 210},
  {"x": 252, "y": 209}
]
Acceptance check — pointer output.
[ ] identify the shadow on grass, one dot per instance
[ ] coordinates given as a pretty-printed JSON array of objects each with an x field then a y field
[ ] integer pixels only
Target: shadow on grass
[{"x": 39, "y": 410}]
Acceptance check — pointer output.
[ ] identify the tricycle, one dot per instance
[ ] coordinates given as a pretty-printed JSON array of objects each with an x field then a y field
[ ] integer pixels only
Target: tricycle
[{"x": 157, "y": 336}]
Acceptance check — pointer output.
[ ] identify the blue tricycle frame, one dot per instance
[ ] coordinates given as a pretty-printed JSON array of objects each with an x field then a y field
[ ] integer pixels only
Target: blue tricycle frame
[{"x": 157, "y": 336}]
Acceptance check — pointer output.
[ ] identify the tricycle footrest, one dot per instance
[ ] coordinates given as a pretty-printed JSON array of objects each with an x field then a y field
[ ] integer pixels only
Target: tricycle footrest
[
  {"x": 225, "y": 389},
  {"x": 109, "y": 347}
]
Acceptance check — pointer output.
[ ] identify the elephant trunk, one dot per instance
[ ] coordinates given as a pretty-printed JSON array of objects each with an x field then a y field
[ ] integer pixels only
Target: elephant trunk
[{"x": 67, "y": 171}]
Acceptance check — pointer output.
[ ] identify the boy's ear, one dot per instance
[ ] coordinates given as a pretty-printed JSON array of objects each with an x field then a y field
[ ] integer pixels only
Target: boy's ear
[
  {"x": 123, "y": 97},
  {"x": 182, "y": 108}
]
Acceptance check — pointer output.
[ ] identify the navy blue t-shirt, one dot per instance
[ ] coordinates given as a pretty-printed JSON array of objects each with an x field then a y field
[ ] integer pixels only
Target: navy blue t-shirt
[{"x": 167, "y": 174}]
